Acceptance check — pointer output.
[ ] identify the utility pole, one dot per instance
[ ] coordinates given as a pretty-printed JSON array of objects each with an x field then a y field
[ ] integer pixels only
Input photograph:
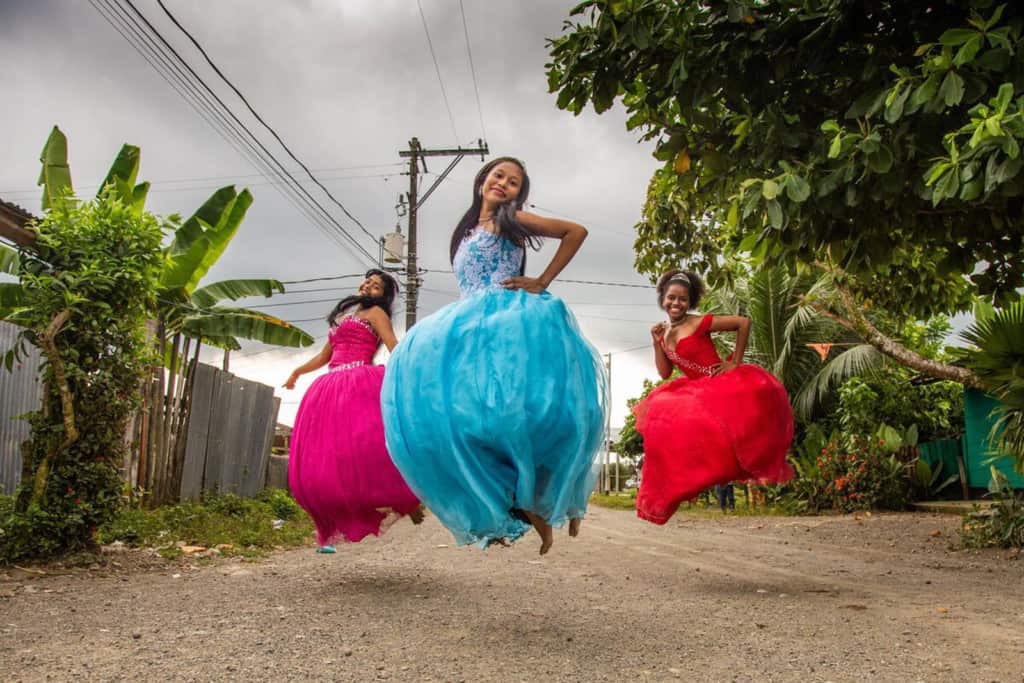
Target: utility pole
[
  {"x": 608, "y": 434},
  {"x": 417, "y": 158}
]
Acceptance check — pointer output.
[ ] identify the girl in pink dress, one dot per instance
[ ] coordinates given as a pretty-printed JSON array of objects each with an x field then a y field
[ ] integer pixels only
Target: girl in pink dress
[
  {"x": 721, "y": 421},
  {"x": 339, "y": 470}
]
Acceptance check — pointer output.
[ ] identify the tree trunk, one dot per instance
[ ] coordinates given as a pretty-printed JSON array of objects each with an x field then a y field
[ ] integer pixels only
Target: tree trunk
[{"x": 49, "y": 346}]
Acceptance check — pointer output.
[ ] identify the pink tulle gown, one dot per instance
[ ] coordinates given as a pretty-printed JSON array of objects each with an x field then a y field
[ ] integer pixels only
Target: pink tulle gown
[{"x": 339, "y": 470}]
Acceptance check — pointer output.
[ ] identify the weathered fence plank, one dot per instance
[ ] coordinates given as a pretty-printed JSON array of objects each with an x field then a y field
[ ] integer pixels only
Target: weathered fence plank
[{"x": 198, "y": 433}]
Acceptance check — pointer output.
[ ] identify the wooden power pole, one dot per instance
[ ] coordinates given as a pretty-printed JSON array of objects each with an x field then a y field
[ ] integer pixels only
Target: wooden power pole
[{"x": 417, "y": 156}]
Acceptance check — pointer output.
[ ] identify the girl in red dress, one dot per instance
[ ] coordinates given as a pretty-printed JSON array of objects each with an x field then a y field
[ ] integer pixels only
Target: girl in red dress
[{"x": 721, "y": 421}]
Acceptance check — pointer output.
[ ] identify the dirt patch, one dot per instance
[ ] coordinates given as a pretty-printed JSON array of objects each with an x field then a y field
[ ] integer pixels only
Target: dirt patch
[{"x": 845, "y": 598}]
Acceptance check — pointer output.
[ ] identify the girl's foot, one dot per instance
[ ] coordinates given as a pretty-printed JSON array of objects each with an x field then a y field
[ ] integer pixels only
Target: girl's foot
[
  {"x": 574, "y": 527},
  {"x": 503, "y": 542},
  {"x": 327, "y": 549},
  {"x": 547, "y": 535},
  {"x": 417, "y": 515}
]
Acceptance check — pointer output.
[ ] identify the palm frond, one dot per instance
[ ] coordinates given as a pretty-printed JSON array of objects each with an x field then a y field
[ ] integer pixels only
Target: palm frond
[{"x": 856, "y": 360}]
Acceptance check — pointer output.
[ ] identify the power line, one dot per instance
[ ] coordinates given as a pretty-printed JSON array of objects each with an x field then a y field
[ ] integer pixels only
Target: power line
[
  {"x": 238, "y": 177},
  {"x": 472, "y": 71},
  {"x": 260, "y": 119},
  {"x": 437, "y": 68},
  {"x": 177, "y": 66},
  {"x": 320, "y": 279},
  {"x": 200, "y": 101}
]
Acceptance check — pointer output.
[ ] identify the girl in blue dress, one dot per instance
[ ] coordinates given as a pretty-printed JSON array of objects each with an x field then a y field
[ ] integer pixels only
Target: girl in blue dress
[{"x": 494, "y": 405}]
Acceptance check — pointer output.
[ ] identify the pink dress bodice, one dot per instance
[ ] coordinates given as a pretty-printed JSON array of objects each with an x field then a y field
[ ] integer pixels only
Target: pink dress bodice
[
  {"x": 353, "y": 343},
  {"x": 695, "y": 354}
]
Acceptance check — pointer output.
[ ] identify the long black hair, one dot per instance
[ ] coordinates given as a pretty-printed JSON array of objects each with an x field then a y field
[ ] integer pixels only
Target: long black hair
[
  {"x": 390, "y": 290},
  {"x": 504, "y": 217}
]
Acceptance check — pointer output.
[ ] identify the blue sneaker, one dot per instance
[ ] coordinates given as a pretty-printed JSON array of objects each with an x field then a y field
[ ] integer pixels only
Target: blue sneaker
[{"x": 327, "y": 549}]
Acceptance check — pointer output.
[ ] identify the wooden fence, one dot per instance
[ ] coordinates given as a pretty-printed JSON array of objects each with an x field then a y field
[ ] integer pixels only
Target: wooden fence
[{"x": 230, "y": 433}]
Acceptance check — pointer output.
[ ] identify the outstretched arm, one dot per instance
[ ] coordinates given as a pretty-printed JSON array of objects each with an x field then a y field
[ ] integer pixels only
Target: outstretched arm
[
  {"x": 381, "y": 324},
  {"x": 571, "y": 236},
  {"x": 732, "y": 323},
  {"x": 315, "y": 363}
]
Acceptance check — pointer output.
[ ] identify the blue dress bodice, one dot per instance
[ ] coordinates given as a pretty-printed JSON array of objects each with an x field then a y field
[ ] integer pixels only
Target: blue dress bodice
[{"x": 484, "y": 260}]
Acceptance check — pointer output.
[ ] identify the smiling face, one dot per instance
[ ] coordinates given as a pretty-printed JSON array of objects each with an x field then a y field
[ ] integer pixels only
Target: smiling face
[
  {"x": 372, "y": 286},
  {"x": 502, "y": 184},
  {"x": 676, "y": 301}
]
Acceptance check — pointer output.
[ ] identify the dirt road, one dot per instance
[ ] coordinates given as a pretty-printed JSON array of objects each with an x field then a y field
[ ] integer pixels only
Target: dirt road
[{"x": 879, "y": 598}]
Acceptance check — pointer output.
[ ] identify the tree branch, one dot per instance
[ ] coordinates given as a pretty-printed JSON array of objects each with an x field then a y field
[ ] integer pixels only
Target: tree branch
[{"x": 860, "y": 325}]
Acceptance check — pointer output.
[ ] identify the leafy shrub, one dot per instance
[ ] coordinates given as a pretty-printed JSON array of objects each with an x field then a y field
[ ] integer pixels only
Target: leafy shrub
[
  {"x": 1001, "y": 525},
  {"x": 863, "y": 474},
  {"x": 889, "y": 397},
  {"x": 281, "y": 502}
]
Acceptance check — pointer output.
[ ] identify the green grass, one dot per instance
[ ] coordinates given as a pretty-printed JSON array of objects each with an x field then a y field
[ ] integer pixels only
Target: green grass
[
  {"x": 246, "y": 525},
  {"x": 614, "y": 501},
  {"x": 627, "y": 501}
]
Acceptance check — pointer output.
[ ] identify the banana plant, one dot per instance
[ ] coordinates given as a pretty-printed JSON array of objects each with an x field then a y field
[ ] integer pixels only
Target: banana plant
[{"x": 187, "y": 313}]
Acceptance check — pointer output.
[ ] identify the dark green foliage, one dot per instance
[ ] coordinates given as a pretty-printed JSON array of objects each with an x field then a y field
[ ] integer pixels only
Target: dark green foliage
[
  {"x": 883, "y": 135},
  {"x": 1002, "y": 525},
  {"x": 102, "y": 261},
  {"x": 888, "y": 396}
]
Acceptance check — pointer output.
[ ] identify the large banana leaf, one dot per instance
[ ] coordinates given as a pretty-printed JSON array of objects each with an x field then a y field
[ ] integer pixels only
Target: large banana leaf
[
  {"x": 200, "y": 241},
  {"x": 10, "y": 261},
  {"x": 245, "y": 324},
  {"x": 209, "y": 295},
  {"x": 122, "y": 175},
  {"x": 55, "y": 174}
]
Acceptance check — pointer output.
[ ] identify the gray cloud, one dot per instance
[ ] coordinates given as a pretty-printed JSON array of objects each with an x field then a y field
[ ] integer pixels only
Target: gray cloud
[{"x": 346, "y": 84}]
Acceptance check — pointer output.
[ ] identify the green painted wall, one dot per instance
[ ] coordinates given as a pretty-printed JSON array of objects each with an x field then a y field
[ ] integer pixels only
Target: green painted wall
[{"x": 977, "y": 456}]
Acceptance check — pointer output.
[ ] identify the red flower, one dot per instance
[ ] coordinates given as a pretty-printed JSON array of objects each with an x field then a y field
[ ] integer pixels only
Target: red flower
[{"x": 78, "y": 501}]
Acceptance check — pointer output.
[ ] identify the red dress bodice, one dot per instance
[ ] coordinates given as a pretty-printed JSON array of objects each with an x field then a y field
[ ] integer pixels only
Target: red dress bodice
[{"x": 695, "y": 354}]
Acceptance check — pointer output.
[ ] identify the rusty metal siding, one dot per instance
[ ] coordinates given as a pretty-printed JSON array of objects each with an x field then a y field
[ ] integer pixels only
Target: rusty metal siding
[{"x": 19, "y": 394}]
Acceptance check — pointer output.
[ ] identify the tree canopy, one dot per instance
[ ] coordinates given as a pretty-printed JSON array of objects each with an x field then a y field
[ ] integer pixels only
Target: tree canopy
[{"x": 881, "y": 137}]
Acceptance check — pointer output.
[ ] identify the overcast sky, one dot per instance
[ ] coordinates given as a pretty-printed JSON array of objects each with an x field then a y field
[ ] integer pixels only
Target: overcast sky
[{"x": 346, "y": 83}]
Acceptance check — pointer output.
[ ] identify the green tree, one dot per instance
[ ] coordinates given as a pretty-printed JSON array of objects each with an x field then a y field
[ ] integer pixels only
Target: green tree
[
  {"x": 878, "y": 141},
  {"x": 86, "y": 290}
]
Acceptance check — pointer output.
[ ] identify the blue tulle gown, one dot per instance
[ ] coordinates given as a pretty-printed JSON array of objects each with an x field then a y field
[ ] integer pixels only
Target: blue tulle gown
[{"x": 495, "y": 404}]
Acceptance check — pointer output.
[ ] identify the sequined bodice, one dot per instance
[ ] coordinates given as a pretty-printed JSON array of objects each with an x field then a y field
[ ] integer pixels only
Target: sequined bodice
[
  {"x": 352, "y": 341},
  {"x": 695, "y": 355},
  {"x": 484, "y": 260}
]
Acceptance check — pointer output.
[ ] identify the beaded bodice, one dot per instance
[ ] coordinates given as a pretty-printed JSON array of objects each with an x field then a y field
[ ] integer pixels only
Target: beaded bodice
[
  {"x": 695, "y": 354},
  {"x": 485, "y": 259},
  {"x": 353, "y": 342}
]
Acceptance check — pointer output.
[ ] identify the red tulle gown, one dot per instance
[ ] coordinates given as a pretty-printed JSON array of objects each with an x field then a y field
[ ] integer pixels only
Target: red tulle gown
[
  {"x": 339, "y": 469},
  {"x": 701, "y": 430}
]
